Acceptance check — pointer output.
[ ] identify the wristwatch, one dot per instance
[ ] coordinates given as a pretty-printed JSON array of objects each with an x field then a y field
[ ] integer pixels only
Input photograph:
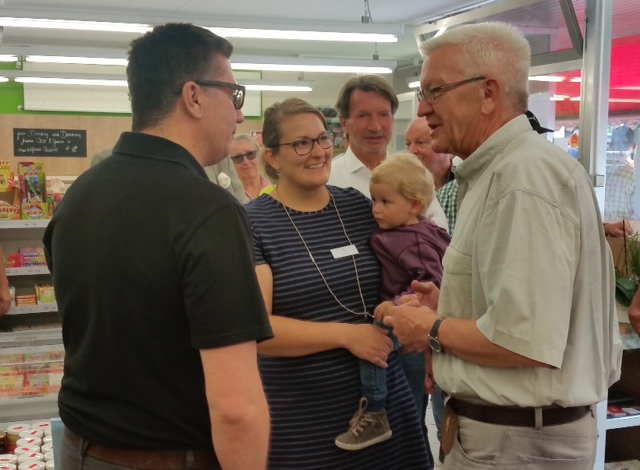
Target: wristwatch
[{"x": 434, "y": 342}]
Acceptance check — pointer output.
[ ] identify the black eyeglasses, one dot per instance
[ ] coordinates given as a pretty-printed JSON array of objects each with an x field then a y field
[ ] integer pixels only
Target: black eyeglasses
[
  {"x": 432, "y": 94},
  {"x": 237, "y": 159},
  {"x": 237, "y": 97},
  {"x": 305, "y": 146}
]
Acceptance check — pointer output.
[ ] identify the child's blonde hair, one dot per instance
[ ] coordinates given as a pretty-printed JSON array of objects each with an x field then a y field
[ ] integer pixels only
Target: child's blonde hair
[{"x": 412, "y": 180}]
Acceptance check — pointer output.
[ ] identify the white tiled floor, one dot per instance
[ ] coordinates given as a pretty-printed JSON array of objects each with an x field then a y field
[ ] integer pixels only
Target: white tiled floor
[{"x": 433, "y": 437}]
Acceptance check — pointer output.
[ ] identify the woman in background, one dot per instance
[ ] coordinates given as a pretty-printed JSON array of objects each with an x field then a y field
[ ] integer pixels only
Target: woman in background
[
  {"x": 244, "y": 153},
  {"x": 321, "y": 282}
]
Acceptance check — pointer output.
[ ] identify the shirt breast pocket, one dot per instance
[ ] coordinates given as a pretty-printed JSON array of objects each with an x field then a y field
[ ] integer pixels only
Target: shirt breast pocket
[{"x": 455, "y": 294}]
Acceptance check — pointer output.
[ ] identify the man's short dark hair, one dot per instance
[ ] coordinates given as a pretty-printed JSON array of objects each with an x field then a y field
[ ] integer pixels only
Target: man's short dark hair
[
  {"x": 162, "y": 61},
  {"x": 366, "y": 83}
]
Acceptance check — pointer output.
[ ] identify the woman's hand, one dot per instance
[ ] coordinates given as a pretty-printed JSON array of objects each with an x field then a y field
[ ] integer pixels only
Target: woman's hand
[{"x": 370, "y": 343}]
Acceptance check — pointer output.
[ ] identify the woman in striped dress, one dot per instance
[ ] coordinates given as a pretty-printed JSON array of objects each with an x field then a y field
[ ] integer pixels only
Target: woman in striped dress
[{"x": 320, "y": 280}]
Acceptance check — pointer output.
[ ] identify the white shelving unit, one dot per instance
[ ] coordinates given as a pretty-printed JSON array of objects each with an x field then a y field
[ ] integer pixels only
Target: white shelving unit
[{"x": 13, "y": 235}]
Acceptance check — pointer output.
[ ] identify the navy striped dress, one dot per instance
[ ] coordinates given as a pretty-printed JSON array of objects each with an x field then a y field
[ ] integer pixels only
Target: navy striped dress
[{"x": 312, "y": 398}]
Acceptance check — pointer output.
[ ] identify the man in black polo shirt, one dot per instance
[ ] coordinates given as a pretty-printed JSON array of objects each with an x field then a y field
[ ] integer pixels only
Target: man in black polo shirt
[{"x": 153, "y": 270}]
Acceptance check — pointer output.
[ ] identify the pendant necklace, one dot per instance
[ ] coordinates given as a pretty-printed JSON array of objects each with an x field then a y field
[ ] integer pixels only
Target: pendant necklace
[{"x": 353, "y": 257}]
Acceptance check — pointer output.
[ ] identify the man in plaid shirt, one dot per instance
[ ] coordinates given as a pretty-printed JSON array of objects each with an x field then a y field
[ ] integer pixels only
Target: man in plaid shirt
[{"x": 621, "y": 176}]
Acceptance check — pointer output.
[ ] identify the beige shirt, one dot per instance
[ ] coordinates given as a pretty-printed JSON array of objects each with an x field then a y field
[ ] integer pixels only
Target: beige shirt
[
  {"x": 529, "y": 261},
  {"x": 349, "y": 172},
  {"x": 224, "y": 174}
]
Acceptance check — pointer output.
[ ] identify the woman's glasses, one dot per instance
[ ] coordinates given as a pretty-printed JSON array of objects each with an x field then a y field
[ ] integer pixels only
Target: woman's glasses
[
  {"x": 304, "y": 146},
  {"x": 237, "y": 159}
]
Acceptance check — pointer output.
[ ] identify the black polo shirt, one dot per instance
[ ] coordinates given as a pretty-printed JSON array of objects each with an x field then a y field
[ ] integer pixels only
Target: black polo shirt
[{"x": 151, "y": 262}]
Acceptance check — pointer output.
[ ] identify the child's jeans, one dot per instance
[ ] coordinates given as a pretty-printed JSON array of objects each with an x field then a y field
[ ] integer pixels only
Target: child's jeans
[{"x": 373, "y": 379}]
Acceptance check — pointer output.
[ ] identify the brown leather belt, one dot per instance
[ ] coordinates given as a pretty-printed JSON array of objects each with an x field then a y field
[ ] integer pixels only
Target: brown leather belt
[
  {"x": 512, "y": 416},
  {"x": 199, "y": 459}
]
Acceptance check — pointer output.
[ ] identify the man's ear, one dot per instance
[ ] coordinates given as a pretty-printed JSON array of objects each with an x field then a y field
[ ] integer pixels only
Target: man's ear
[
  {"x": 191, "y": 98},
  {"x": 491, "y": 93}
]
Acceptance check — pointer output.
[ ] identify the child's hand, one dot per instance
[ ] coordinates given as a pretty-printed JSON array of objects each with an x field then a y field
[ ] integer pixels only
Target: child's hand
[{"x": 382, "y": 310}]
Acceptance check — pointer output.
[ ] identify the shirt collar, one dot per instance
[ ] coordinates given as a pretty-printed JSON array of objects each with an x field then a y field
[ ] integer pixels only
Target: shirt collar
[
  {"x": 141, "y": 145},
  {"x": 353, "y": 163},
  {"x": 472, "y": 168}
]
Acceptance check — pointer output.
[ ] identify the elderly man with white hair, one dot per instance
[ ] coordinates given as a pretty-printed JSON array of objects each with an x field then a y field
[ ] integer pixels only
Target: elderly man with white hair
[{"x": 524, "y": 338}]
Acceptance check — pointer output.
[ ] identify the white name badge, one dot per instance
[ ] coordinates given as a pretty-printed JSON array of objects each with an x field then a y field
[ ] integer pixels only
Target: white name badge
[{"x": 343, "y": 251}]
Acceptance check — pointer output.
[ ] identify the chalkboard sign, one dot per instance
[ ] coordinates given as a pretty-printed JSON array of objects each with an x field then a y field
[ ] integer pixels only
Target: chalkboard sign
[{"x": 49, "y": 143}]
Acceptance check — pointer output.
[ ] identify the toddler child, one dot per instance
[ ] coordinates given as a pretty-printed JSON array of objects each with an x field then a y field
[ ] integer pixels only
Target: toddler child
[{"x": 409, "y": 248}]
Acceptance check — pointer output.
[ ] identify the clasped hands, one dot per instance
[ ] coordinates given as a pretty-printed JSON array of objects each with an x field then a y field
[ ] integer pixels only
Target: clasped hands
[{"x": 413, "y": 318}]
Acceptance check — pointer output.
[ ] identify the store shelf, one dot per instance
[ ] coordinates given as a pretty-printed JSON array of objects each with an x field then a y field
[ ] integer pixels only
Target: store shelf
[
  {"x": 31, "y": 337},
  {"x": 26, "y": 408},
  {"x": 17, "y": 224},
  {"x": 623, "y": 422},
  {"x": 27, "y": 271},
  {"x": 26, "y": 309}
]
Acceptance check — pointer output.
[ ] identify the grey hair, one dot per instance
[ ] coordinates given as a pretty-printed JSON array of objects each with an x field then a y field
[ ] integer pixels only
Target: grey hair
[
  {"x": 246, "y": 138},
  {"x": 493, "y": 49}
]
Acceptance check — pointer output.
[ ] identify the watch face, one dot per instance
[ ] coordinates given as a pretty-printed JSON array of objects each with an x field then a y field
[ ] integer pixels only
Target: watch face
[{"x": 435, "y": 344}]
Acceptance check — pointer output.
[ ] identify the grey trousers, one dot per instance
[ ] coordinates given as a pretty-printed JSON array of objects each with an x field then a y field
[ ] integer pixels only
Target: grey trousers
[{"x": 570, "y": 446}]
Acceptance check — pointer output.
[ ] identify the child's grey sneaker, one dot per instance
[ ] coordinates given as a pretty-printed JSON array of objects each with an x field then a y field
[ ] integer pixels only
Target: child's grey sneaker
[{"x": 365, "y": 429}]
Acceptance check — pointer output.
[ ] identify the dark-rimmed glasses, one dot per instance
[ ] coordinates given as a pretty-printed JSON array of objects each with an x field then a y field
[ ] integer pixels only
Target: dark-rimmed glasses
[
  {"x": 305, "y": 146},
  {"x": 237, "y": 97},
  {"x": 237, "y": 159},
  {"x": 432, "y": 94}
]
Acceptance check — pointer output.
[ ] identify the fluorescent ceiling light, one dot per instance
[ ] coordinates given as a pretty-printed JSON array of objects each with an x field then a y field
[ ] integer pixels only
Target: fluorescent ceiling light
[
  {"x": 414, "y": 84},
  {"x": 8, "y": 58},
  {"x": 546, "y": 78},
  {"x": 283, "y": 64},
  {"x": 303, "y": 35},
  {"x": 278, "y": 88},
  {"x": 277, "y": 85},
  {"x": 3, "y": 79},
  {"x": 47, "y": 59},
  {"x": 75, "y": 25},
  {"x": 440, "y": 32},
  {"x": 310, "y": 68},
  {"x": 311, "y": 64},
  {"x": 356, "y": 32},
  {"x": 71, "y": 81}
]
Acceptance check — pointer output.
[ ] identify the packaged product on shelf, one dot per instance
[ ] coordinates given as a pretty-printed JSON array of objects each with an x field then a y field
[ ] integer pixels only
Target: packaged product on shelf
[
  {"x": 14, "y": 261},
  {"x": 29, "y": 441},
  {"x": 28, "y": 457},
  {"x": 11, "y": 381},
  {"x": 33, "y": 191},
  {"x": 32, "y": 465},
  {"x": 43, "y": 425},
  {"x": 9, "y": 194},
  {"x": 8, "y": 458},
  {"x": 32, "y": 256},
  {"x": 26, "y": 299},
  {"x": 55, "y": 190},
  {"x": 45, "y": 293}
]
